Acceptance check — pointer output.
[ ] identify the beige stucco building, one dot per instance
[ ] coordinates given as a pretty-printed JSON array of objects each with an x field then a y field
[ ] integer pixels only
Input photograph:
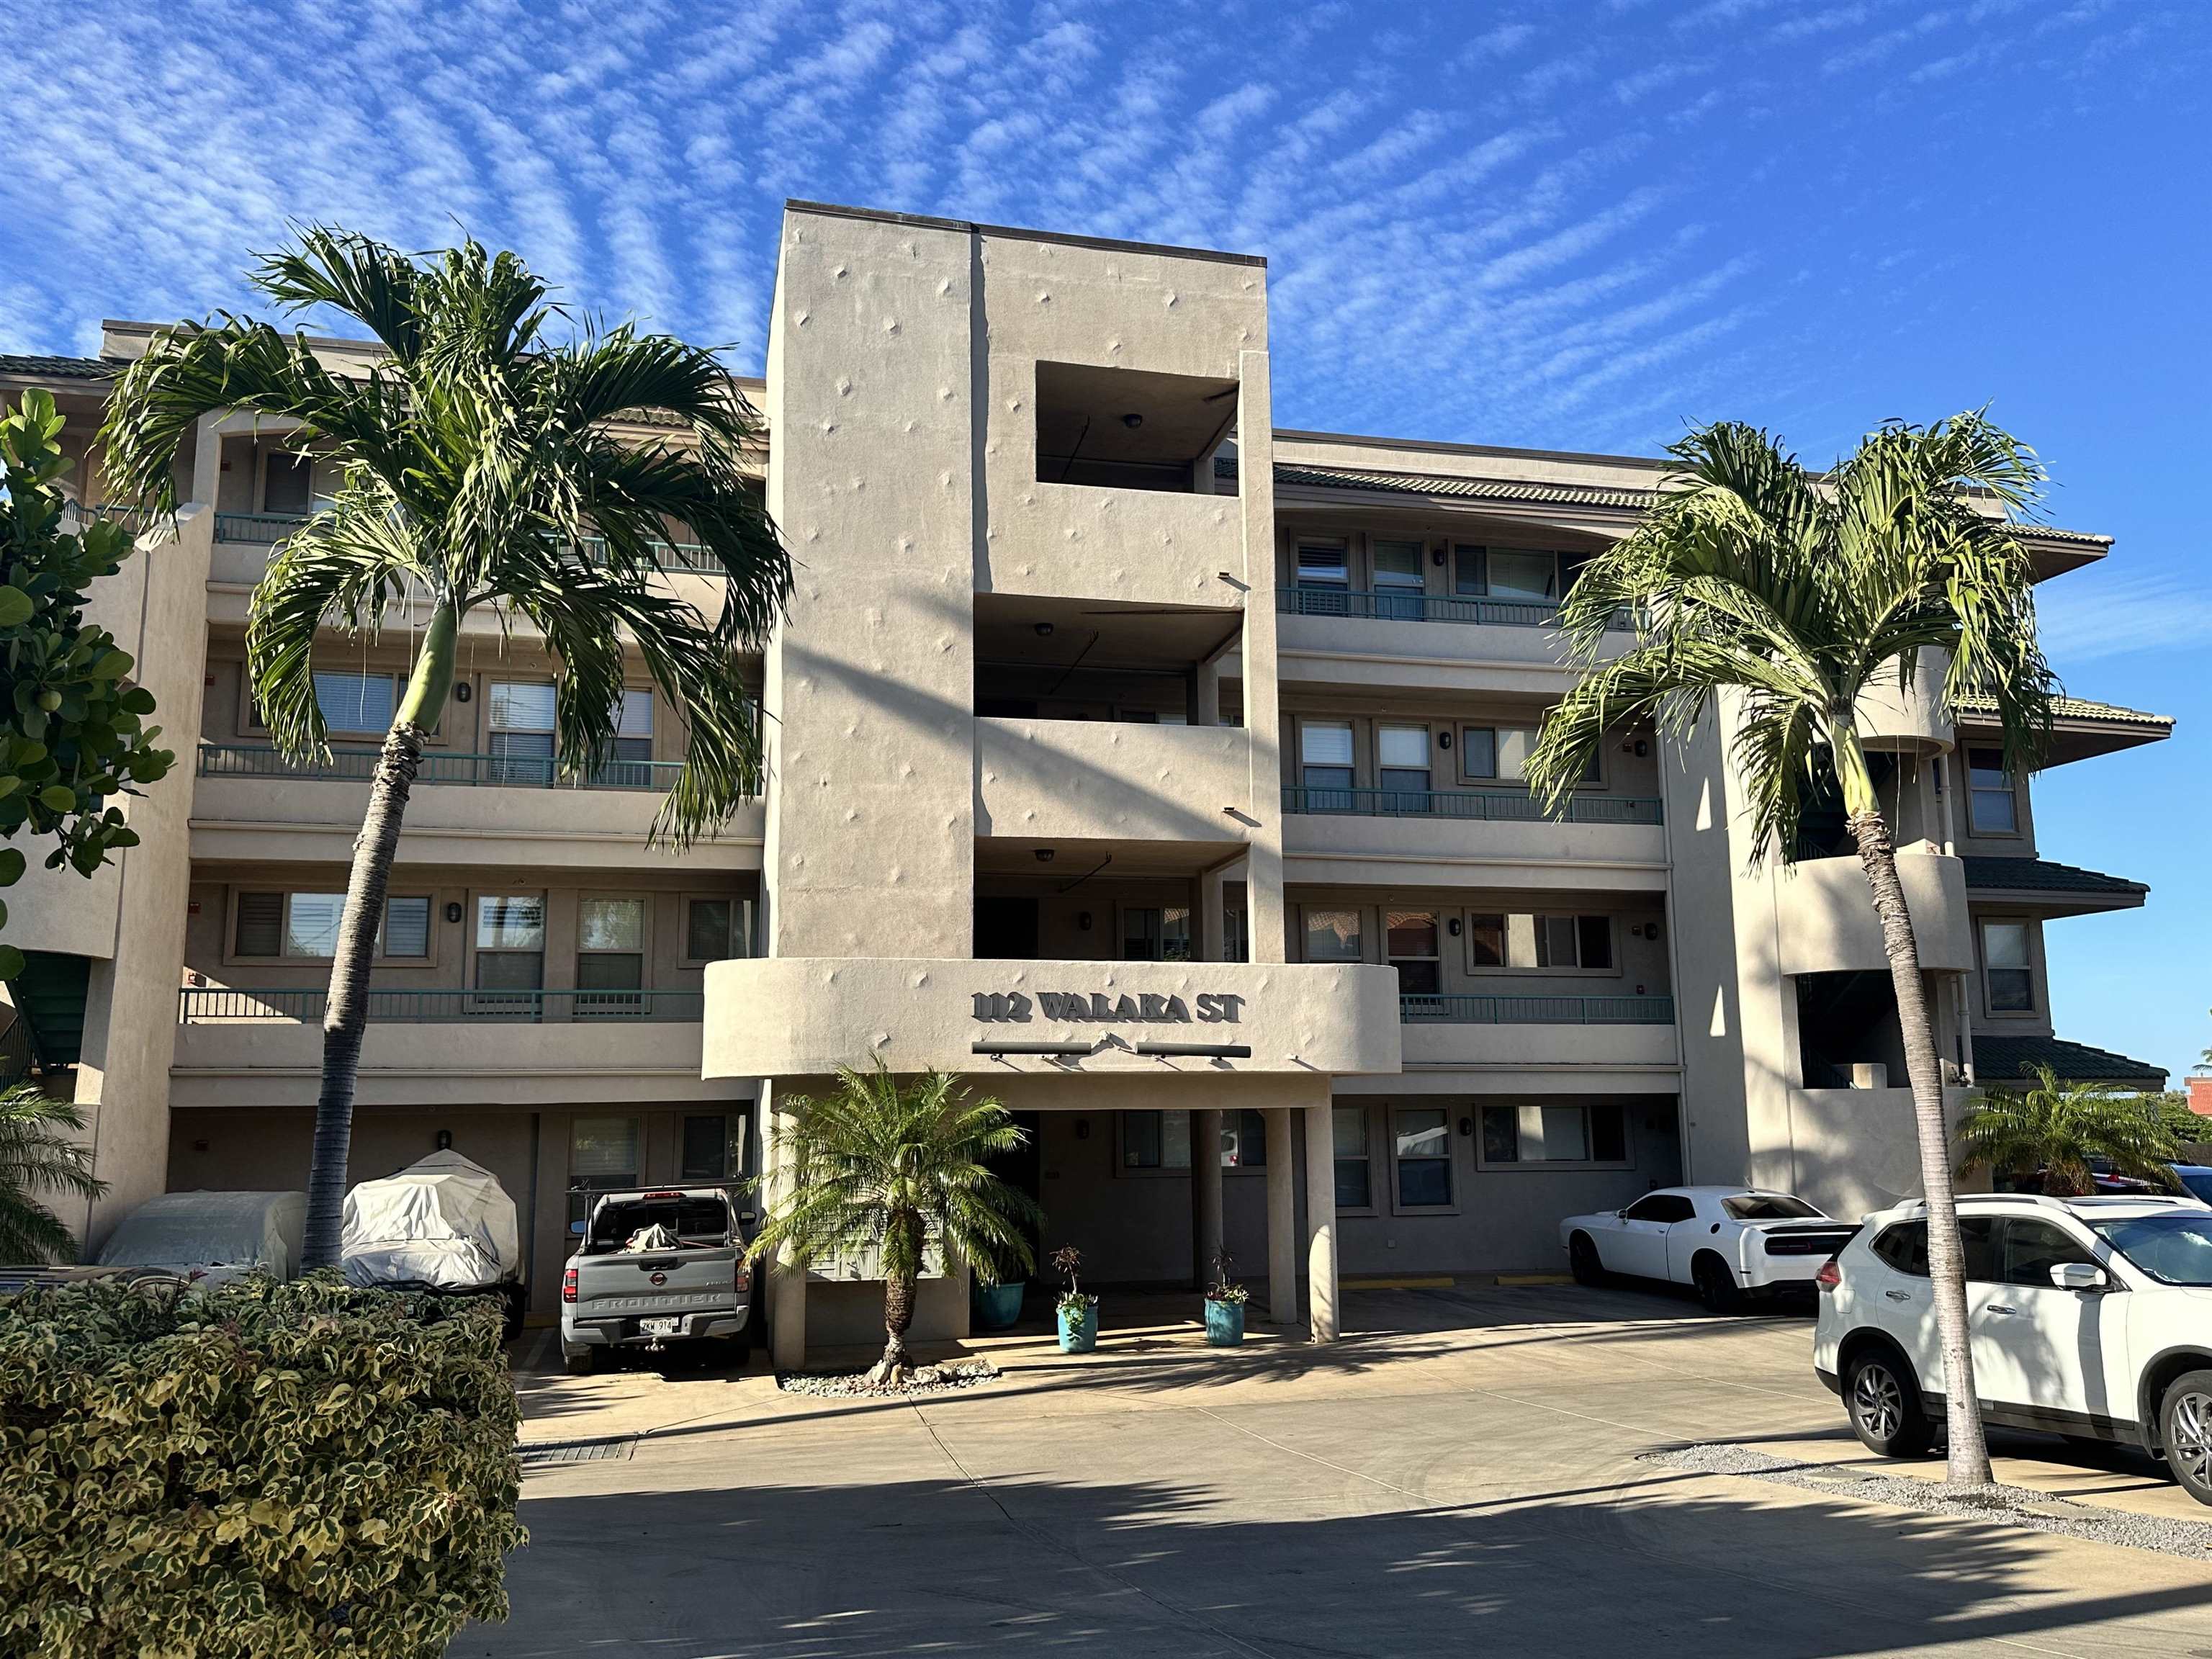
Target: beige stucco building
[{"x": 1156, "y": 767}]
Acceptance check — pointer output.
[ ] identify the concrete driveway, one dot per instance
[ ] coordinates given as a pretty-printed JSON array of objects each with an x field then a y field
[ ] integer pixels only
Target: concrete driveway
[{"x": 1460, "y": 1474}]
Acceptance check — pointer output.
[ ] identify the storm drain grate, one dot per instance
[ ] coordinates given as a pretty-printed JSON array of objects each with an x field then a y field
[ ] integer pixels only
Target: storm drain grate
[{"x": 549, "y": 1454}]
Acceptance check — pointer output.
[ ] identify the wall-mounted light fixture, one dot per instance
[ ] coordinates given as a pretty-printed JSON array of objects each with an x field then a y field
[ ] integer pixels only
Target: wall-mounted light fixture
[
  {"x": 445, "y": 1141},
  {"x": 1437, "y": 557},
  {"x": 461, "y": 692},
  {"x": 1642, "y": 748},
  {"x": 1466, "y": 1127},
  {"x": 454, "y": 911},
  {"x": 1444, "y": 740},
  {"x": 1044, "y": 855},
  {"x": 1133, "y": 420},
  {"x": 1451, "y": 927},
  {"x": 1083, "y": 921},
  {"x": 1044, "y": 630}
]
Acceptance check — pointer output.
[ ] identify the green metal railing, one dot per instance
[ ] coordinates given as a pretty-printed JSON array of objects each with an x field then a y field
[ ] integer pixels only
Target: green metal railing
[
  {"x": 1536, "y": 1011},
  {"x": 240, "y": 760},
  {"x": 202, "y": 1005},
  {"x": 1489, "y": 805},
  {"x": 269, "y": 528},
  {"x": 1407, "y": 605}
]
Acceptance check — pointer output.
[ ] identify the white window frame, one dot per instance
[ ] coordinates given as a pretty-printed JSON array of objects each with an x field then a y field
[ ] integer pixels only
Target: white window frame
[
  {"x": 1358, "y": 910},
  {"x": 1450, "y": 1159},
  {"x": 252, "y": 725},
  {"x": 2028, "y": 950},
  {"x": 1974, "y": 791},
  {"x": 1541, "y": 1165}
]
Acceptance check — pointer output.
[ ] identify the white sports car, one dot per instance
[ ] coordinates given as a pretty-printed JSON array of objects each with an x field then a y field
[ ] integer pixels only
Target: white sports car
[{"x": 1729, "y": 1242}]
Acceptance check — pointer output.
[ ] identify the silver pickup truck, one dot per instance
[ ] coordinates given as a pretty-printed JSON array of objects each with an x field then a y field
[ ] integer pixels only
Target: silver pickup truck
[{"x": 655, "y": 1270}]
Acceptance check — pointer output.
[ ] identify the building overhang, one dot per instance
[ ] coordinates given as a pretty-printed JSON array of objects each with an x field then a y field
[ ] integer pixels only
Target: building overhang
[
  {"x": 2079, "y": 729},
  {"x": 806, "y": 1016},
  {"x": 2048, "y": 888},
  {"x": 2003, "y": 1061}
]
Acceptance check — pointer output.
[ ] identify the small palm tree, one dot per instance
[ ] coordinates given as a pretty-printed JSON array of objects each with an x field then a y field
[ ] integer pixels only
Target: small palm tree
[
  {"x": 881, "y": 1170},
  {"x": 1789, "y": 596},
  {"x": 39, "y": 1152},
  {"x": 489, "y": 466},
  {"x": 2059, "y": 1127}
]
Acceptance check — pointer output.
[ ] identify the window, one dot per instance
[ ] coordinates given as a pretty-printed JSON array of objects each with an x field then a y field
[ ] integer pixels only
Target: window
[
  {"x": 1664, "y": 1207},
  {"x": 1513, "y": 574},
  {"x": 2007, "y": 980},
  {"x": 1422, "y": 1140},
  {"x": 1236, "y": 936},
  {"x": 356, "y": 704},
  {"x": 603, "y": 1158},
  {"x": 2032, "y": 1248},
  {"x": 1325, "y": 759},
  {"x": 306, "y": 925},
  {"x": 1151, "y": 933},
  {"x": 1770, "y": 1206},
  {"x": 713, "y": 1148},
  {"x": 1347, "y": 1130},
  {"x": 1398, "y": 580},
  {"x": 610, "y": 955},
  {"x": 630, "y": 763},
  {"x": 1992, "y": 809},
  {"x": 1466, "y": 570},
  {"x": 286, "y": 485},
  {"x": 1410, "y": 939},
  {"x": 1243, "y": 1140},
  {"x": 1525, "y": 941},
  {"x": 1556, "y": 1134},
  {"x": 1155, "y": 1140},
  {"x": 1401, "y": 756},
  {"x": 1495, "y": 751},
  {"x": 1321, "y": 567},
  {"x": 510, "y": 943},
  {"x": 1904, "y": 1248},
  {"x": 1333, "y": 935},
  {"x": 520, "y": 743},
  {"x": 717, "y": 929}
]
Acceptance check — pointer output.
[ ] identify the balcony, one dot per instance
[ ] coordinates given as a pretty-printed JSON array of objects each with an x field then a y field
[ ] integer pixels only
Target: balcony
[
  {"x": 1541, "y": 1044},
  {"x": 1111, "y": 780},
  {"x": 1336, "y": 637},
  {"x": 267, "y": 529},
  {"x": 426, "y": 1050},
  {"x": 1825, "y": 920},
  {"x": 1396, "y": 837},
  {"x": 252, "y": 803},
  {"x": 1536, "y": 1011},
  {"x": 1402, "y": 606}
]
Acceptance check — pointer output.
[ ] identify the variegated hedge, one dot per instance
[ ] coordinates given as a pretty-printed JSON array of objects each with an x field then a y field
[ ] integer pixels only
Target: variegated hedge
[{"x": 263, "y": 1470}]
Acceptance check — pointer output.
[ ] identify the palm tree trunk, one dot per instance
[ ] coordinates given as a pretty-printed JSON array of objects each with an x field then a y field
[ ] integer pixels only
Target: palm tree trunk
[
  {"x": 901, "y": 1253},
  {"x": 345, "y": 1015},
  {"x": 1969, "y": 1457}
]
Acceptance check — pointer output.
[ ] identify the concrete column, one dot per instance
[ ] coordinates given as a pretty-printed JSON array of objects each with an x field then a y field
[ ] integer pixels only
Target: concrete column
[
  {"x": 786, "y": 1284},
  {"x": 1320, "y": 1224},
  {"x": 1207, "y": 694},
  {"x": 1213, "y": 933},
  {"x": 1282, "y": 1218},
  {"x": 1204, "y": 1194}
]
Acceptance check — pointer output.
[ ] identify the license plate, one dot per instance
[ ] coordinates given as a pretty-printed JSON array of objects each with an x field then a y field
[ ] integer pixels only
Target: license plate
[{"x": 658, "y": 1327}]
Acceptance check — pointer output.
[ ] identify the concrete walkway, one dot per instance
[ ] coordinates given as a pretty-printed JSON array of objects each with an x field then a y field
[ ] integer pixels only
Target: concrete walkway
[{"x": 1460, "y": 1474}]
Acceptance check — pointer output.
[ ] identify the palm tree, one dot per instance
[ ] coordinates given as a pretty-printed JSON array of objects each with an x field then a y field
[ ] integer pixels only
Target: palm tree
[
  {"x": 881, "y": 1170},
  {"x": 39, "y": 1153},
  {"x": 1788, "y": 595},
  {"x": 486, "y": 465},
  {"x": 2058, "y": 1127}
]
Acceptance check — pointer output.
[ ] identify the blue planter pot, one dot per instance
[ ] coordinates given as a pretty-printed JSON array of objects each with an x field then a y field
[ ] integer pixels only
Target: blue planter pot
[
  {"x": 1224, "y": 1323},
  {"x": 997, "y": 1307},
  {"x": 1079, "y": 1332}
]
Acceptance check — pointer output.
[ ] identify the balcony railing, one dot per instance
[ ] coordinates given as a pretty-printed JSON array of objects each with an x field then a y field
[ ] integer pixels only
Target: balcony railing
[
  {"x": 209, "y": 1004},
  {"x": 269, "y": 528},
  {"x": 1536, "y": 1011},
  {"x": 1491, "y": 805},
  {"x": 240, "y": 760},
  {"x": 1408, "y": 606}
]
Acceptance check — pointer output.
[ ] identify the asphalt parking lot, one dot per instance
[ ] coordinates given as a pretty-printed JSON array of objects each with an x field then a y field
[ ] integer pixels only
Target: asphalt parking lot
[{"x": 1466, "y": 1471}]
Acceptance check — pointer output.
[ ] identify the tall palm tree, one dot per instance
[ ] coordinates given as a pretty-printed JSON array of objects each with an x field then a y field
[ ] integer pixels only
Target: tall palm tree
[
  {"x": 488, "y": 465},
  {"x": 2059, "y": 1127},
  {"x": 881, "y": 1170},
  {"x": 39, "y": 1153},
  {"x": 1790, "y": 595}
]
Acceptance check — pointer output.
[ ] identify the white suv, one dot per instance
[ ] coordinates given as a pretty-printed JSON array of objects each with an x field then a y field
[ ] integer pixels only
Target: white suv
[{"x": 2091, "y": 1317}]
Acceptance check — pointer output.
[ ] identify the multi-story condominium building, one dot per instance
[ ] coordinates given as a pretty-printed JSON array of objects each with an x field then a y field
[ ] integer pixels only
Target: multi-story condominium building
[{"x": 1159, "y": 769}]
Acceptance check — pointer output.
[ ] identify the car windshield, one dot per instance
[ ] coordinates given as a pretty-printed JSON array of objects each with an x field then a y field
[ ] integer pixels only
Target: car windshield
[
  {"x": 2196, "y": 1178},
  {"x": 694, "y": 1221},
  {"x": 1768, "y": 1206},
  {"x": 2174, "y": 1249}
]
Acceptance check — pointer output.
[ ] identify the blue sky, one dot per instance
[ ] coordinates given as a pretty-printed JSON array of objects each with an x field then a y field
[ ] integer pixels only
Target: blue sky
[{"x": 1583, "y": 227}]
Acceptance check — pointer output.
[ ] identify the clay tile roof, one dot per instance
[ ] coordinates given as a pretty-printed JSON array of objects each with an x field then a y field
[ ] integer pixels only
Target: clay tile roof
[
  {"x": 2044, "y": 876},
  {"x": 36, "y": 367},
  {"x": 2000, "y": 1059},
  {"x": 2075, "y": 709}
]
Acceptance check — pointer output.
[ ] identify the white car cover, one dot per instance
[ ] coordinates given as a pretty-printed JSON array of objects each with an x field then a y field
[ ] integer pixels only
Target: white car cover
[
  {"x": 218, "y": 1234},
  {"x": 444, "y": 1222}
]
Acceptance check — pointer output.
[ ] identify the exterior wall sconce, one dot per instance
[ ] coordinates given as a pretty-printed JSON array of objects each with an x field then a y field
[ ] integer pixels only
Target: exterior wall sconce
[
  {"x": 1437, "y": 557},
  {"x": 1466, "y": 1127},
  {"x": 445, "y": 1141},
  {"x": 1044, "y": 855},
  {"x": 461, "y": 692},
  {"x": 1083, "y": 921},
  {"x": 1444, "y": 740},
  {"x": 1451, "y": 927},
  {"x": 453, "y": 912}
]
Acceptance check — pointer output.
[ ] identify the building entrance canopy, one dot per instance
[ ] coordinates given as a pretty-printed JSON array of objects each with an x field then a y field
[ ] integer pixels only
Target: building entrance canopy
[{"x": 792, "y": 1017}]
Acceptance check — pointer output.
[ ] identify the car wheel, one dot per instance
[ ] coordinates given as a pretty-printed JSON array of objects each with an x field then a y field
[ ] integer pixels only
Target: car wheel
[
  {"x": 1883, "y": 1399},
  {"x": 1583, "y": 1262},
  {"x": 1715, "y": 1285},
  {"x": 578, "y": 1360},
  {"x": 2184, "y": 1427}
]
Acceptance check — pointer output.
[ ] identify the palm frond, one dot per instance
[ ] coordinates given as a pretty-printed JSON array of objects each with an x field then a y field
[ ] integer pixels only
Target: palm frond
[
  {"x": 2059, "y": 1128},
  {"x": 41, "y": 1154}
]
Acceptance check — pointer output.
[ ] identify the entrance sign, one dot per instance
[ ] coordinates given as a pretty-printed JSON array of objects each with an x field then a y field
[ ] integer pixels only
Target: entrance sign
[{"x": 1015, "y": 1007}]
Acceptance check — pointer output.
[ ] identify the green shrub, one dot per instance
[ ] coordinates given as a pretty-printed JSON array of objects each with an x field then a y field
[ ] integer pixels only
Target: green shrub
[{"x": 261, "y": 1469}]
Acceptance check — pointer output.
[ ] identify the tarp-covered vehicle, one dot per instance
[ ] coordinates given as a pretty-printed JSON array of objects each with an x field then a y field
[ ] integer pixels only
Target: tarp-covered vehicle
[
  {"x": 210, "y": 1238},
  {"x": 444, "y": 1226}
]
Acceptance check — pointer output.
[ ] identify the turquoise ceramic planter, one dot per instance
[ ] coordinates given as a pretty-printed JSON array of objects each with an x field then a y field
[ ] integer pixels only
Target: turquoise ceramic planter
[
  {"x": 1078, "y": 1333},
  {"x": 998, "y": 1307},
  {"x": 1224, "y": 1323}
]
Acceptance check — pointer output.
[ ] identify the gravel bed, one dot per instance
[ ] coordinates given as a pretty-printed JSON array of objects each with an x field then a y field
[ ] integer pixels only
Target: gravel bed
[
  {"x": 2015, "y": 1506},
  {"x": 922, "y": 1380}
]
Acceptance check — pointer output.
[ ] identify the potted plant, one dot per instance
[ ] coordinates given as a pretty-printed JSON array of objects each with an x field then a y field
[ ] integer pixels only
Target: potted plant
[
  {"x": 996, "y": 1304},
  {"x": 1078, "y": 1314},
  {"x": 1224, "y": 1305}
]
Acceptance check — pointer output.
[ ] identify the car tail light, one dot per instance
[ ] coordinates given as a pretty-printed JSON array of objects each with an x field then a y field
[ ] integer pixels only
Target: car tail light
[
  {"x": 745, "y": 1275},
  {"x": 569, "y": 1285},
  {"x": 1830, "y": 1275}
]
